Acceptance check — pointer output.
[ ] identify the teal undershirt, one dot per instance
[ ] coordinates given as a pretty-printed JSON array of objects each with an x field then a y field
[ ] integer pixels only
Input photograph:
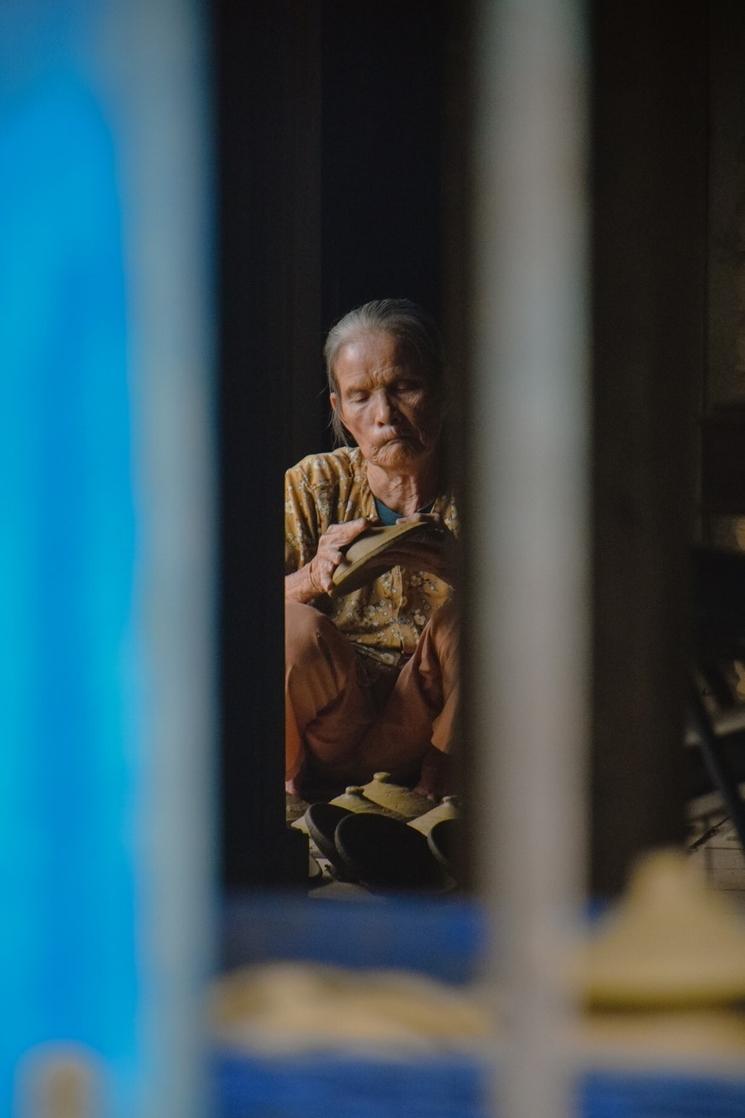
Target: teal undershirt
[{"x": 390, "y": 516}]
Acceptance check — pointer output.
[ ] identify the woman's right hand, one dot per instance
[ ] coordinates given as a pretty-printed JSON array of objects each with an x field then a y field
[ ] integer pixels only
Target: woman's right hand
[
  {"x": 316, "y": 577},
  {"x": 329, "y": 554}
]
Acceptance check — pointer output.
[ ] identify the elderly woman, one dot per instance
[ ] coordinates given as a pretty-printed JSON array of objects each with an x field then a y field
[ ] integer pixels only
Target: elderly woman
[{"x": 372, "y": 677}]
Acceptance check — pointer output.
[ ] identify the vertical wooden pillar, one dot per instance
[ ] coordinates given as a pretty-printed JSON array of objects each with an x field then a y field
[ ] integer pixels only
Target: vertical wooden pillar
[
  {"x": 649, "y": 145},
  {"x": 723, "y": 426}
]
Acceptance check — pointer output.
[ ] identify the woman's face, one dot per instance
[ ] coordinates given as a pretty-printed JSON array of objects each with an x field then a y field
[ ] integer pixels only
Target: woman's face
[{"x": 385, "y": 402}]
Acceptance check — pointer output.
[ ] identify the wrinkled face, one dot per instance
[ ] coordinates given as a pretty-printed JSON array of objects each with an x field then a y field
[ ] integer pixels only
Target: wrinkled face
[{"x": 385, "y": 402}]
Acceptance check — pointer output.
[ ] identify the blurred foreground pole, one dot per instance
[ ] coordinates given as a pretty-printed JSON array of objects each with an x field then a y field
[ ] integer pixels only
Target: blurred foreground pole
[
  {"x": 106, "y": 686},
  {"x": 527, "y": 522}
]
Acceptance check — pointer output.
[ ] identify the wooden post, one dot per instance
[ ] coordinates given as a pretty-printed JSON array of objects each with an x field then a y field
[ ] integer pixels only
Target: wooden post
[{"x": 649, "y": 101}]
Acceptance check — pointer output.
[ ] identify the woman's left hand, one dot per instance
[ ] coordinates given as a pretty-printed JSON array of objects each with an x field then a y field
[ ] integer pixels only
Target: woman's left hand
[{"x": 435, "y": 553}]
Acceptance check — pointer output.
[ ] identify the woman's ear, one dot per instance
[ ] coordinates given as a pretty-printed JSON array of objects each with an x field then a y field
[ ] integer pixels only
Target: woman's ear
[{"x": 333, "y": 400}]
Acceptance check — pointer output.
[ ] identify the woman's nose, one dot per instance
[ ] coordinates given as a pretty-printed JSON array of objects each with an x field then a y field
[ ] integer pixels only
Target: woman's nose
[{"x": 384, "y": 409}]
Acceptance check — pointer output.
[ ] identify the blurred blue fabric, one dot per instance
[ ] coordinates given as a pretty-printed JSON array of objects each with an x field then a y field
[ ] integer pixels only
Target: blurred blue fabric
[
  {"x": 444, "y": 938},
  {"x": 446, "y": 1087},
  {"x": 69, "y": 696}
]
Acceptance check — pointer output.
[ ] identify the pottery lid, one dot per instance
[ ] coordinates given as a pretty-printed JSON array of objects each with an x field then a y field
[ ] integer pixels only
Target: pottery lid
[{"x": 381, "y": 790}]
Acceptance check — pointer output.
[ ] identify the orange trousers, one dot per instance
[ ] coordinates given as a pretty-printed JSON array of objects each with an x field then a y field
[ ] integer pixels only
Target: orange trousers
[{"x": 343, "y": 727}]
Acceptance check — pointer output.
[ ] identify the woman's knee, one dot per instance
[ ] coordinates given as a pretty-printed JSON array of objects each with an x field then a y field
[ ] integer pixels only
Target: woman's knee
[
  {"x": 445, "y": 627},
  {"x": 308, "y": 634},
  {"x": 303, "y": 625}
]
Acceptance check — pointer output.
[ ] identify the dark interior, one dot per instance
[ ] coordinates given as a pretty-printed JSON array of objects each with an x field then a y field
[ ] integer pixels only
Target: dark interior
[{"x": 341, "y": 139}]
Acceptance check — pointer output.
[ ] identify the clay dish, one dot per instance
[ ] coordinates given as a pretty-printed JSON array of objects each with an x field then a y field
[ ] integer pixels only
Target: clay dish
[
  {"x": 443, "y": 841},
  {"x": 385, "y": 854},
  {"x": 322, "y": 821},
  {"x": 395, "y": 797},
  {"x": 354, "y": 799},
  {"x": 446, "y": 809}
]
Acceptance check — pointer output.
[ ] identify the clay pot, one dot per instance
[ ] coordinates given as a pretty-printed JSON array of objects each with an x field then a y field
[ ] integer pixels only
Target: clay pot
[
  {"x": 386, "y": 855},
  {"x": 446, "y": 809},
  {"x": 395, "y": 797},
  {"x": 322, "y": 821},
  {"x": 354, "y": 799},
  {"x": 443, "y": 840}
]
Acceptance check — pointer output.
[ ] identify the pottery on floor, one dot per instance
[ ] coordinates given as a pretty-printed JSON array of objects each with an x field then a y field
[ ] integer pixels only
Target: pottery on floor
[
  {"x": 353, "y": 798},
  {"x": 322, "y": 821},
  {"x": 444, "y": 842},
  {"x": 385, "y": 854},
  {"x": 446, "y": 809},
  {"x": 395, "y": 797},
  {"x": 300, "y": 824}
]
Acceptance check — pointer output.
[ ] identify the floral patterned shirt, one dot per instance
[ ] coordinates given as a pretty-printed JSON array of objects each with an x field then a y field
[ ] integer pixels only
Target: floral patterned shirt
[{"x": 385, "y": 618}]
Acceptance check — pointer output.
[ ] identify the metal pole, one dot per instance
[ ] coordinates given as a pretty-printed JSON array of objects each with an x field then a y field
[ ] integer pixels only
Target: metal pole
[{"x": 528, "y": 532}]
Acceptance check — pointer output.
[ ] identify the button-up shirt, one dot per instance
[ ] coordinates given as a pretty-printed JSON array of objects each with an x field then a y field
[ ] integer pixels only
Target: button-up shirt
[{"x": 385, "y": 618}]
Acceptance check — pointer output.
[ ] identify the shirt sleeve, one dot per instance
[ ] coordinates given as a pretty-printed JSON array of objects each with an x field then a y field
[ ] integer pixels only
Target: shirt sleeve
[{"x": 301, "y": 521}]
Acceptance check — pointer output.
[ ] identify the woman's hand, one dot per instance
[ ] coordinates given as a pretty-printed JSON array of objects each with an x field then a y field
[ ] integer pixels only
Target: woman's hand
[
  {"x": 435, "y": 553},
  {"x": 316, "y": 577},
  {"x": 436, "y": 776}
]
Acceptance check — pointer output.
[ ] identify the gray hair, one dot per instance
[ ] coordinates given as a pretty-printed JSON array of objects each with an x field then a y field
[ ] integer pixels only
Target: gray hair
[{"x": 401, "y": 319}]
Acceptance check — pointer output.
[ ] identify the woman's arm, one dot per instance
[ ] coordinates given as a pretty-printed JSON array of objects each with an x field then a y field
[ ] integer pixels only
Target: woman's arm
[{"x": 316, "y": 577}]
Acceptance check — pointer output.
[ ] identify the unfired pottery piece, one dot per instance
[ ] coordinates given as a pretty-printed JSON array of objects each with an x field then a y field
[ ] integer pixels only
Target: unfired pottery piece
[
  {"x": 295, "y": 807},
  {"x": 364, "y": 558},
  {"x": 300, "y": 824},
  {"x": 322, "y": 821},
  {"x": 443, "y": 841},
  {"x": 672, "y": 941},
  {"x": 354, "y": 799},
  {"x": 395, "y": 797},
  {"x": 384, "y": 853},
  {"x": 446, "y": 809}
]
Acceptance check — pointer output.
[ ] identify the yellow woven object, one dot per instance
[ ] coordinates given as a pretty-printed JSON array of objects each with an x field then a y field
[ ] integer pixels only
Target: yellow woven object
[{"x": 671, "y": 942}]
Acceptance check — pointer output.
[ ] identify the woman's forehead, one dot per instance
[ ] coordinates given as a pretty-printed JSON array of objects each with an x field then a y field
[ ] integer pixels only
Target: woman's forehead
[{"x": 370, "y": 356}]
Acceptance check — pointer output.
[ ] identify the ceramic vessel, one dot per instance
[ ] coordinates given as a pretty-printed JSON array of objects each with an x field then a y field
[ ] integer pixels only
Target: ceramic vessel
[
  {"x": 384, "y": 854},
  {"x": 446, "y": 809},
  {"x": 353, "y": 798},
  {"x": 322, "y": 821},
  {"x": 395, "y": 797},
  {"x": 444, "y": 842}
]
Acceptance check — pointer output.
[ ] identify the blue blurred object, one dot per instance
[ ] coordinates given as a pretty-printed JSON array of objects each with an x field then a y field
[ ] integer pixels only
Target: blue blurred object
[
  {"x": 87, "y": 853},
  {"x": 324, "y": 1085},
  {"x": 442, "y": 938},
  {"x": 446, "y": 1087},
  {"x": 661, "y": 1094},
  {"x": 69, "y": 697}
]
